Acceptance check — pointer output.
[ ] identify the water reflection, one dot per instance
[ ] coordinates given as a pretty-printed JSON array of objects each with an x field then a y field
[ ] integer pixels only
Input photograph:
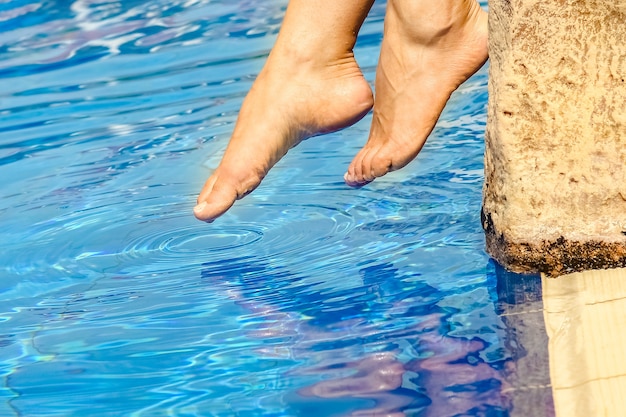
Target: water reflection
[
  {"x": 383, "y": 349},
  {"x": 520, "y": 306},
  {"x": 446, "y": 377},
  {"x": 376, "y": 303}
]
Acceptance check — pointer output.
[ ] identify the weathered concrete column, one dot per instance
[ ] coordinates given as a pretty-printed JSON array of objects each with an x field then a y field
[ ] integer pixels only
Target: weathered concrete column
[{"x": 555, "y": 157}]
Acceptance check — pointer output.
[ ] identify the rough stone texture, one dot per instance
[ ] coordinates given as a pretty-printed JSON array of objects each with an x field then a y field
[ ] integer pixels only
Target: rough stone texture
[{"x": 555, "y": 157}]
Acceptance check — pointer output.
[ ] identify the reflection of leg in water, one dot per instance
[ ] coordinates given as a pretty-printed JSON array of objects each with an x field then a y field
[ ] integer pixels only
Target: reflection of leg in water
[
  {"x": 379, "y": 372},
  {"x": 457, "y": 381},
  {"x": 311, "y": 84},
  {"x": 446, "y": 377},
  {"x": 377, "y": 377},
  {"x": 449, "y": 380},
  {"x": 429, "y": 48}
]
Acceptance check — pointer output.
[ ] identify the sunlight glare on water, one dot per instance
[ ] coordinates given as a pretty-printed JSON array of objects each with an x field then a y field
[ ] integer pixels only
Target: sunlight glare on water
[{"x": 307, "y": 298}]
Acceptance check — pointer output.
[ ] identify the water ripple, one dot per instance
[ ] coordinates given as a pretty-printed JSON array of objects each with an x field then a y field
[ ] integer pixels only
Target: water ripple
[
  {"x": 111, "y": 289},
  {"x": 190, "y": 240}
]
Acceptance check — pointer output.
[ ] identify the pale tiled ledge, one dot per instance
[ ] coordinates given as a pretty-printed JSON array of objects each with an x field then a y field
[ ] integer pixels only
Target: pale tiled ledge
[{"x": 585, "y": 316}]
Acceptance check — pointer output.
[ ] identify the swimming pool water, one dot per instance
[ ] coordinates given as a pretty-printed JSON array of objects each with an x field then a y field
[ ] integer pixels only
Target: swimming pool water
[{"x": 307, "y": 298}]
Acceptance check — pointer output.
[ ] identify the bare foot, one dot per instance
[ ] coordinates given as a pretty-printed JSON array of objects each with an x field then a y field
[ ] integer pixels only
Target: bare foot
[
  {"x": 293, "y": 98},
  {"x": 428, "y": 50}
]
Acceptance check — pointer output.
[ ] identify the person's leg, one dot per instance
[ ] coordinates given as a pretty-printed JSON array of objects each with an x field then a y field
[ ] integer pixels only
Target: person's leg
[
  {"x": 310, "y": 85},
  {"x": 429, "y": 49}
]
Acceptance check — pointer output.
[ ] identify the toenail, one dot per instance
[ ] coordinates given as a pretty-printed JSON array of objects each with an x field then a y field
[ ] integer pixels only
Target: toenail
[{"x": 199, "y": 207}]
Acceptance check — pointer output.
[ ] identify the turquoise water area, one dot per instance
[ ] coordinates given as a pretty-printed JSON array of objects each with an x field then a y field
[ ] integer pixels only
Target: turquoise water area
[{"x": 307, "y": 298}]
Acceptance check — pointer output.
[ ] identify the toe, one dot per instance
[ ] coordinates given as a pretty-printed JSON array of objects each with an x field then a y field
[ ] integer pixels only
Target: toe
[
  {"x": 222, "y": 189},
  {"x": 370, "y": 163},
  {"x": 216, "y": 197},
  {"x": 381, "y": 163},
  {"x": 354, "y": 176},
  {"x": 367, "y": 166}
]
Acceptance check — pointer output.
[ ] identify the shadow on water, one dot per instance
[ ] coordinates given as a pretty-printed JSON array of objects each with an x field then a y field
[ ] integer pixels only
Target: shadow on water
[{"x": 387, "y": 347}]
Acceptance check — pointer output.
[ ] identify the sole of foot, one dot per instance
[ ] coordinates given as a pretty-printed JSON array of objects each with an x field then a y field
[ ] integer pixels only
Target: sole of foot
[
  {"x": 420, "y": 67},
  {"x": 286, "y": 104}
]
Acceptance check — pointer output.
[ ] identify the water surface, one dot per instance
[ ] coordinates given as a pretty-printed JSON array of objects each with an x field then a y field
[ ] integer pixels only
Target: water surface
[{"x": 307, "y": 298}]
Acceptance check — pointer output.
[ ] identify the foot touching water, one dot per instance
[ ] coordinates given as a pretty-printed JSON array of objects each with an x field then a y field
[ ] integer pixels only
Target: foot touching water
[
  {"x": 305, "y": 90},
  {"x": 287, "y": 104},
  {"x": 310, "y": 85}
]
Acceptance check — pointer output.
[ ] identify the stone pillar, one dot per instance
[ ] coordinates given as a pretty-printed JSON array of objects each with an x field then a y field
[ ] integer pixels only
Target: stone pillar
[{"x": 555, "y": 158}]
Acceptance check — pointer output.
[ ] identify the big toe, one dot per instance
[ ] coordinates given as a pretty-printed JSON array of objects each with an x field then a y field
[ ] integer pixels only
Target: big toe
[
  {"x": 215, "y": 199},
  {"x": 369, "y": 164}
]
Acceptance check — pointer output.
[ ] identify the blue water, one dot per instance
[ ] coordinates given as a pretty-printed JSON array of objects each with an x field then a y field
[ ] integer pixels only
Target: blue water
[{"x": 307, "y": 298}]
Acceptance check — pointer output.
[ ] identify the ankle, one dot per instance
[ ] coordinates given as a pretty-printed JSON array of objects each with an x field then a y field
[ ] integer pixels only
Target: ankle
[
  {"x": 313, "y": 52},
  {"x": 424, "y": 24}
]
